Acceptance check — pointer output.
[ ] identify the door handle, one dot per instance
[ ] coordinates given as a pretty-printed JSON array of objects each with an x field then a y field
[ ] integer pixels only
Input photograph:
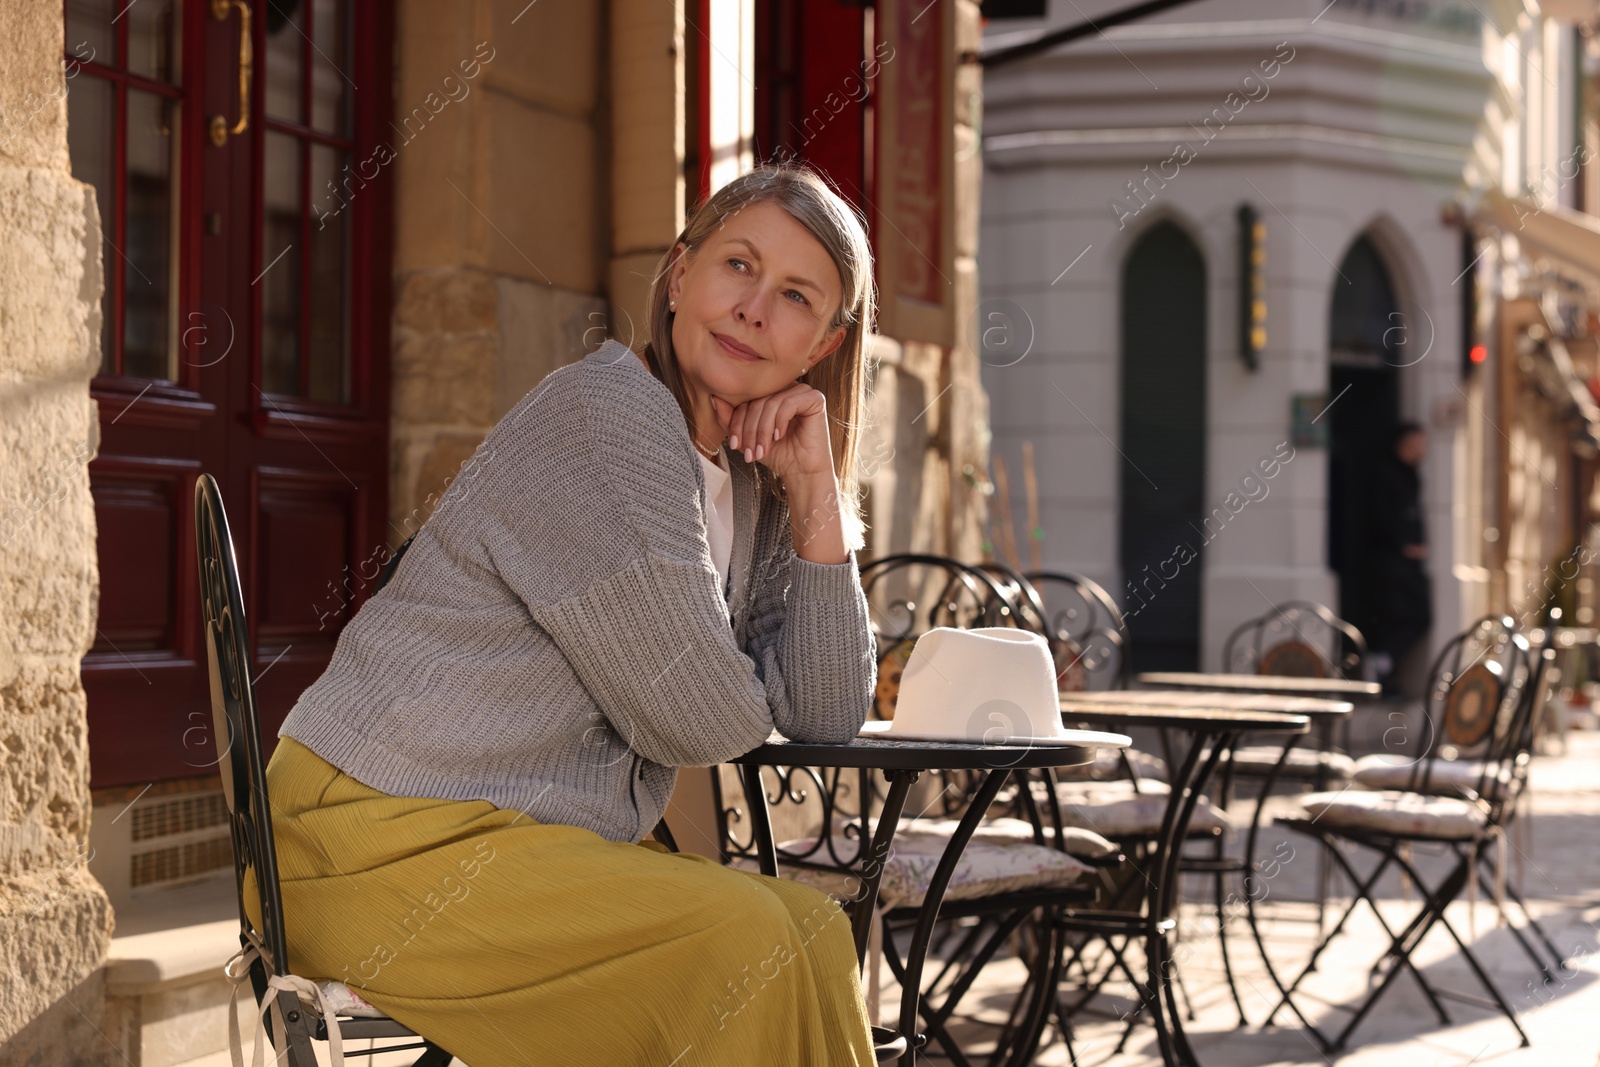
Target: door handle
[{"x": 220, "y": 130}]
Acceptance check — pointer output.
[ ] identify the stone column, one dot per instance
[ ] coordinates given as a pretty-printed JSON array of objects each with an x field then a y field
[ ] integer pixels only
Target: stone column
[
  {"x": 500, "y": 221},
  {"x": 55, "y": 921}
]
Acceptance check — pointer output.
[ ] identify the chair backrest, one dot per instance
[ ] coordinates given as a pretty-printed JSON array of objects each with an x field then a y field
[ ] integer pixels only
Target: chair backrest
[
  {"x": 1510, "y": 755},
  {"x": 234, "y": 722},
  {"x": 1086, "y": 631},
  {"x": 829, "y": 809},
  {"x": 909, "y": 594},
  {"x": 1297, "y": 639},
  {"x": 1484, "y": 687}
]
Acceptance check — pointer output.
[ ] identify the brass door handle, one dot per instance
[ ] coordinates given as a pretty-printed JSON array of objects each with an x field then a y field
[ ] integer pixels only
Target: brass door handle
[{"x": 220, "y": 130}]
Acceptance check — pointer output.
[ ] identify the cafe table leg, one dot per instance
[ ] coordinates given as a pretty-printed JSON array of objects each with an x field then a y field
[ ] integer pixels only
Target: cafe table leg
[
  {"x": 865, "y": 911},
  {"x": 929, "y": 915},
  {"x": 1185, "y": 794},
  {"x": 1250, "y": 892}
]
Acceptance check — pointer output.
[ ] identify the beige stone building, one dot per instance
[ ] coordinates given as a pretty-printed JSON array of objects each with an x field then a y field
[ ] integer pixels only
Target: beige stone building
[{"x": 320, "y": 264}]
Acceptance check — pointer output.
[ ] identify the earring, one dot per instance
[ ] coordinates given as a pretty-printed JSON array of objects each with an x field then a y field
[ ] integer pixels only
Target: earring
[{"x": 672, "y": 305}]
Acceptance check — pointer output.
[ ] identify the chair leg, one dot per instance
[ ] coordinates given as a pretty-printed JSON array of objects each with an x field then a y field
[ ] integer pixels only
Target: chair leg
[
  {"x": 1359, "y": 895},
  {"x": 433, "y": 1057},
  {"x": 1433, "y": 913},
  {"x": 295, "y": 1035},
  {"x": 1486, "y": 982}
]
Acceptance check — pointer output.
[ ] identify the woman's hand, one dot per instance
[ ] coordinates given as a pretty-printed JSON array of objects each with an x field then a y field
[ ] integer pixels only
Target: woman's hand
[{"x": 787, "y": 431}]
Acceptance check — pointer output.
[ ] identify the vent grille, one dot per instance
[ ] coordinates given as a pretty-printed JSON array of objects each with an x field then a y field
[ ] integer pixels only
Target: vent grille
[
  {"x": 179, "y": 838},
  {"x": 180, "y": 814},
  {"x": 181, "y": 862}
]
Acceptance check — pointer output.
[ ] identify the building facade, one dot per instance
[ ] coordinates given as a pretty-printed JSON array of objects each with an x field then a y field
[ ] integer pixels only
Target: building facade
[{"x": 1233, "y": 246}]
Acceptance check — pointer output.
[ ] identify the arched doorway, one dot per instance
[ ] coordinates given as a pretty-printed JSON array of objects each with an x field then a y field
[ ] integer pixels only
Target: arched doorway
[
  {"x": 1163, "y": 446},
  {"x": 1365, "y": 333}
]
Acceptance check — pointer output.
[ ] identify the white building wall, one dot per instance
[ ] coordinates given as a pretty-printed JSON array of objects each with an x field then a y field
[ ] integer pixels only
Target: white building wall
[{"x": 1375, "y": 125}]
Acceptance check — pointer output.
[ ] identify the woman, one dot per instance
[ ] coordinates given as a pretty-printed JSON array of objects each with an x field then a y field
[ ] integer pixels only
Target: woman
[{"x": 648, "y": 564}]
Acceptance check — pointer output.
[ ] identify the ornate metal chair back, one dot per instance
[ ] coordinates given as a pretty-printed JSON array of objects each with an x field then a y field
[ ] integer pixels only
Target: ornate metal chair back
[{"x": 1297, "y": 639}]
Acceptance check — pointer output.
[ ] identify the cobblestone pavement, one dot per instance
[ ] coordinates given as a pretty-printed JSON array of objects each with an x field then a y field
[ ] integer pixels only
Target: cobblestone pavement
[{"x": 1555, "y": 859}]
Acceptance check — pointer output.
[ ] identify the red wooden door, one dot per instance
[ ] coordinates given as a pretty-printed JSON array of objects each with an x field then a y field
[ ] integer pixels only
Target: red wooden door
[{"x": 234, "y": 149}]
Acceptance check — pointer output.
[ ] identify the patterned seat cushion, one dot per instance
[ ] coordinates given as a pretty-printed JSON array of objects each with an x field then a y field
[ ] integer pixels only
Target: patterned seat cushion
[
  {"x": 1258, "y": 761},
  {"x": 346, "y": 1001},
  {"x": 1446, "y": 778},
  {"x": 1116, "y": 811},
  {"x": 1080, "y": 843},
  {"x": 986, "y": 868},
  {"x": 1399, "y": 813}
]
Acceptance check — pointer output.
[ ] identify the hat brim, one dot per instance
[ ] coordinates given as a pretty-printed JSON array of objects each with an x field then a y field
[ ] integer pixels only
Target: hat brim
[{"x": 882, "y": 728}]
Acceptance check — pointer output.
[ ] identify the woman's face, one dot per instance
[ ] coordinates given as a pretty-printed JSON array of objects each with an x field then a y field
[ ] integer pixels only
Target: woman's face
[{"x": 753, "y": 305}]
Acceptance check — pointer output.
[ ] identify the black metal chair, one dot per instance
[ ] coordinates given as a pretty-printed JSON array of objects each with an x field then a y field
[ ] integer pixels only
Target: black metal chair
[
  {"x": 1091, "y": 641},
  {"x": 1297, "y": 639},
  {"x": 1086, "y": 625},
  {"x": 297, "y": 1016},
  {"x": 1487, "y": 687},
  {"x": 826, "y": 819}
]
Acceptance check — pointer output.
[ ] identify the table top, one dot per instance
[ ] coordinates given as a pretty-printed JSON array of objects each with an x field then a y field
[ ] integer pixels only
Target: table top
[
  {"x": 1220, "y": 700},
  {"x": 1260, "y": 683},
  {"x": 894, "y": 754},
  {"x": 1088, "y": 707}
]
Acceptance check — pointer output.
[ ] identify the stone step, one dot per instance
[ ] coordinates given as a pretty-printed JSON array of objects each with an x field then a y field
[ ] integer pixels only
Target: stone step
[{"x": 166, "y": 996}]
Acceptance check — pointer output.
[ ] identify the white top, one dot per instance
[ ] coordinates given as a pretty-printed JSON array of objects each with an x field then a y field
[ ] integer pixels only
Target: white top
[{"x": 719, "y": 514}]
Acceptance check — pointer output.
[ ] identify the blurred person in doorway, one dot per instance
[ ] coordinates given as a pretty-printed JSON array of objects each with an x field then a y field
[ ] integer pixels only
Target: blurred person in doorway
[{"x": 1398, "y": 547}]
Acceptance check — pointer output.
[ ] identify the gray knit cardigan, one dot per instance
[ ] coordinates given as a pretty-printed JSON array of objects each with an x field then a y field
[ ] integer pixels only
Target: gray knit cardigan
[{"x": 555, "y": 641}]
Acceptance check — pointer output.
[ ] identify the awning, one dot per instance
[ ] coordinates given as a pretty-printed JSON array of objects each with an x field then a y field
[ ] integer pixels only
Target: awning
[{"x": 1557, "y": 233}]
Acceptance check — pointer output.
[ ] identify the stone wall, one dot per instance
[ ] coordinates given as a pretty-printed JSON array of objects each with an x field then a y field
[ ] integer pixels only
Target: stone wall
[
  {"x": 501, "y": 224},
  {"x": 55, "y": 922}
]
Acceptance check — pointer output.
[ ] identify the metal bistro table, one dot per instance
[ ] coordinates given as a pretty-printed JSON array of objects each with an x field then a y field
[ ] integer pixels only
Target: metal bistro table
[
  {"x": 1274, "y": 685},
  {"x": 1323, "y": 715},
  {"x": 901, "y": 762},
  {"x": 1212, "y": 731},
  {"x": 1279, "y": 685}
]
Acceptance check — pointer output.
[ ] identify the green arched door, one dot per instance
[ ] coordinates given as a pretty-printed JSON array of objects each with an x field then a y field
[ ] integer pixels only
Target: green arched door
[{"x": 1163, "y": 446}]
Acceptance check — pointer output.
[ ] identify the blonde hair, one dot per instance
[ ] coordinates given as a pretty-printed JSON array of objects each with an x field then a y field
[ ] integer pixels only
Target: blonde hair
[{"x": 841, "y": 376}]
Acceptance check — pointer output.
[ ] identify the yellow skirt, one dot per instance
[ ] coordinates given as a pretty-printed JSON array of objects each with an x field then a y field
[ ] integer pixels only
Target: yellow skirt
[{"x": 508, "y": 941}]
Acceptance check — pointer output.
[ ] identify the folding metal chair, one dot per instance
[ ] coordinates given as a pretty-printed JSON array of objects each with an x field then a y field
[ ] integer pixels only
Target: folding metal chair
[
  {"x": 825, "y": 820},
  {"x": 300, "y": 1013},
  {"x": 1295, "y": 639},
  {"x": 1487, "y": 686}
]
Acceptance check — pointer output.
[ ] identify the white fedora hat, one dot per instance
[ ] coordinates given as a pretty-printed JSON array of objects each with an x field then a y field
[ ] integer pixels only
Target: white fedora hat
[{"x": 994, "y": 685}]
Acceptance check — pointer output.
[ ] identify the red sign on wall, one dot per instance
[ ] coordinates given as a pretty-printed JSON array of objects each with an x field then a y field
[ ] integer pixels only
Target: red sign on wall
[{"x": 914, "y": 183}]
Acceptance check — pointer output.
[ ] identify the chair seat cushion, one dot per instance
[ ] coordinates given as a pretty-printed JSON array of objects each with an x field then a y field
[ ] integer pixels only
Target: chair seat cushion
[
  {"x": 987, "y": 868},
  {"x": 1258, "y": 761},
  {"x": 1397, "y": 813},
  {"x": 1080, "y": 843},
  {"x": 346, "y": 1001},
  {"x": 1115, "y": 811},
  {"x": 1121, "y": 811},
  {"x": 1449, "y": 778}
]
